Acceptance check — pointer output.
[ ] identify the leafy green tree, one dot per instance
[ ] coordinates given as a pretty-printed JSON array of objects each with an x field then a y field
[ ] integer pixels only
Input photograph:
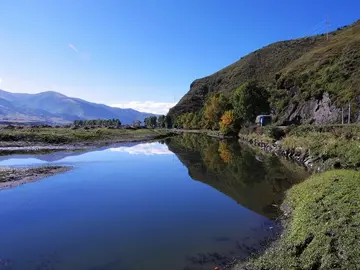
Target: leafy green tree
[
  {"x": 147, "y": 122},
  {"x": 153, "y": 121},
  {"x": 250, "y": 100},
  {"x": 196, "y": 121},
  {"x": 168, "y": 121},
  {"x": 161, "y": 121}
]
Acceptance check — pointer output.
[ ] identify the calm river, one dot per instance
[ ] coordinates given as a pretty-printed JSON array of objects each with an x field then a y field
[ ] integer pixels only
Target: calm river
[{"x": 190, "y": 202}]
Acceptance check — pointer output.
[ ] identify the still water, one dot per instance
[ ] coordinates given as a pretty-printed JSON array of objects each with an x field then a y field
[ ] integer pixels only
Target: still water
[{"x": 188, "y": 203}]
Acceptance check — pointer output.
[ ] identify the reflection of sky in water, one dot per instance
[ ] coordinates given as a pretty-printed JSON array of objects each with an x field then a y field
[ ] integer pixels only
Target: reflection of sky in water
[
  {"x": 109, "y": 154},
  {"x": 125, "y": 200},
  {"x": 147, "y": 149}
]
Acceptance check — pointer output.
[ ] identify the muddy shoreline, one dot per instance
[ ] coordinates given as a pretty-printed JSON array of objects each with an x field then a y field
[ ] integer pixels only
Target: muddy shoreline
[{"x": 14, "y": 177}]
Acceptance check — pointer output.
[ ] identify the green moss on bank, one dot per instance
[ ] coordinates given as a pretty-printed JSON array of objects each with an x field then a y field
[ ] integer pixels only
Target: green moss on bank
[{"x": 323, "y": 231}]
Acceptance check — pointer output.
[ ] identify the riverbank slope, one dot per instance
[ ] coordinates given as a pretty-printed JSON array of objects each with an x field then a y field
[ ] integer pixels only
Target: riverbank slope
[
  {"x": 318, "y": 147},
  {"x": 322, "y": 214},
  {"x": 322, "y": 226}
]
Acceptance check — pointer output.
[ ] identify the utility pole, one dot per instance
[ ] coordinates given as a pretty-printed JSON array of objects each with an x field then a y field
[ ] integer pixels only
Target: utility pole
[
  {"x": 327, "y": 28},
  {"x": 349, "y": 114}
]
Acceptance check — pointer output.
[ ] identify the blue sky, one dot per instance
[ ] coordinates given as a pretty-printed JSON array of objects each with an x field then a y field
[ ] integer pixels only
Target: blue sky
[{"x": 144, "y": 54}]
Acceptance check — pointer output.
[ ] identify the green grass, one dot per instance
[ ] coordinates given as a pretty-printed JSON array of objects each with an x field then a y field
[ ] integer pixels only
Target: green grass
[
  {"x": 323, "y": 231},
  {"x": 328, "y": 144},
  {"x": 67, "y": 135}
]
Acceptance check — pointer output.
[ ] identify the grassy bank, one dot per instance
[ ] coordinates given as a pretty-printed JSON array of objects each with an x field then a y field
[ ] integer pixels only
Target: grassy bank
[
  {"x": 71, "y": 136},
  {"x": 323, "y": 227},
  {"x": 333, "y": 145}
]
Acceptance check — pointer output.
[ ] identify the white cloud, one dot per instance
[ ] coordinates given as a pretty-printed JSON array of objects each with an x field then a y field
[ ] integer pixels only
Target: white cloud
[
  {"x": 147, "y": 149},
  {"x": 147, "y": 106},
  {"x": 1, "y": 82},
  {"x": 72, "y": 46}
]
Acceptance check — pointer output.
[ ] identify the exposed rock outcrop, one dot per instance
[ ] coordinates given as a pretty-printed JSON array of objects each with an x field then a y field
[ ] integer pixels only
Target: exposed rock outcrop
[{"x": 317, "y": 111}]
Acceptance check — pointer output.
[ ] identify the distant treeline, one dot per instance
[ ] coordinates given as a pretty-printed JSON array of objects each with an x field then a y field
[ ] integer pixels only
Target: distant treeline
[
  {"x": 161, "y": 121},
  {"x": 98, "y": 122}
]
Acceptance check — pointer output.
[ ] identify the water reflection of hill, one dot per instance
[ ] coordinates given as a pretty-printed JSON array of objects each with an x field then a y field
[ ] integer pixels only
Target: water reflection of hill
[{"x": 255, "y": 182}]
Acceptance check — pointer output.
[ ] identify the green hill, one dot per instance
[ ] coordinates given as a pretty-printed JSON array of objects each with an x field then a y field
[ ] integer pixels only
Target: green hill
[{"x": 308, "y": 78}]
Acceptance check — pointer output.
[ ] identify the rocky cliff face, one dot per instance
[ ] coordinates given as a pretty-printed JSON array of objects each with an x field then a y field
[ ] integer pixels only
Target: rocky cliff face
[
  {"x": 313, "y": 111},
  {"x": 309, "y": 79}
]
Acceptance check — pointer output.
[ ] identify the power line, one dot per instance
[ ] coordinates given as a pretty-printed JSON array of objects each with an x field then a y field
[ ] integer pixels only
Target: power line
[{"x": 316, "y": 28}]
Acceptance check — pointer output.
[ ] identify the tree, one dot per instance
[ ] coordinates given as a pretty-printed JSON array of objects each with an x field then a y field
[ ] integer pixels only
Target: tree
[
  {"x": 215, "y": 106},
  {"x": 98, "y": 122},
  {"x": 151, "y": 122},
  {"x": 227, "y": 123},
  {"x": 168, "y": 121},
  {"x": 117, "y": 123},
  {"x": 147, "y": 122},
  {"x": 196, "y": 121},
  {"x": 161, "y": 121},
  {"x": 250, "y": 100}
]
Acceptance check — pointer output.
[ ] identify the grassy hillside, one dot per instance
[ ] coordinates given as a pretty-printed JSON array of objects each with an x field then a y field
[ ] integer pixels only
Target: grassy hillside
[{"x": 294, "y": 72}]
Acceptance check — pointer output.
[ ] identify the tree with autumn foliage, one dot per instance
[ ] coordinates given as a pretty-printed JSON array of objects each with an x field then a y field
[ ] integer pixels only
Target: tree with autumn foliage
[
  {"x": 214, "y": 108},
  {"x": 227, "y": 121}
]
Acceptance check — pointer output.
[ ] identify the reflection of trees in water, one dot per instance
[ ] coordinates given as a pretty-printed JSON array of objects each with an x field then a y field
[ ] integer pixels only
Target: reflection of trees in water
[
  {"x": 235, "y": 170},
  {"x": 254, "y": 180},
  {"x": 225, "y": 153}
]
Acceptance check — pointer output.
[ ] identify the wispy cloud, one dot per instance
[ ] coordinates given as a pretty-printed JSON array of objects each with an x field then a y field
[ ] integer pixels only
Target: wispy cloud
[
  {"x": 72, "y": 46},
  {"x": 147, "y": 106},
  {"x": 1, "y": 82}
]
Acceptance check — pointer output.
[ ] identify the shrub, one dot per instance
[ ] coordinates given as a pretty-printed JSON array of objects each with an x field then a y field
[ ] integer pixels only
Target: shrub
[{"x": 274, "y": 132}]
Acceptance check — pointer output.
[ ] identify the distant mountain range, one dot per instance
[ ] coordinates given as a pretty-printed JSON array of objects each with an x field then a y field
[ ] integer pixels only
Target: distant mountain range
[{"x": 55, "y": 108}]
